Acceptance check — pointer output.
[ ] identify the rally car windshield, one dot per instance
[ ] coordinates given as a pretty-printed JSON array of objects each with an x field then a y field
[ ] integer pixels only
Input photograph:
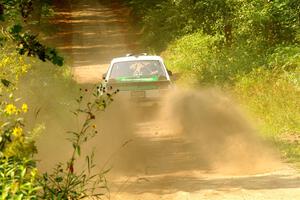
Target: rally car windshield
[{"x": 133, "y": 70}]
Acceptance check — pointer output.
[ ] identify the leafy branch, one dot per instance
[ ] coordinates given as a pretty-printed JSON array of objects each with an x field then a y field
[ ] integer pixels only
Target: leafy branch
[
  {"x": 26, "y": 42},
  {"x": 67, "y": 183}
]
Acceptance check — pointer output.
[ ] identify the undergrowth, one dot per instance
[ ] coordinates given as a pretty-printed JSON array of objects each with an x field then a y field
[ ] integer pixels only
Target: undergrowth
[
  {"x": 267, "y": 86},
  {"x": 250, "y": 48}
]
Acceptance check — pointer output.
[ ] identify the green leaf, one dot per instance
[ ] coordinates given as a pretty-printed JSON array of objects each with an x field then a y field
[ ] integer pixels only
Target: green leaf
[
  {"x": 23, "y": 172},
  {"x": 78, "y": 150},
  {"x": 58, "y": 179},
  {"x": 16, "y": 29},
  {"x": 5, "y": 82},
  {"x": 57, "y": 60}
]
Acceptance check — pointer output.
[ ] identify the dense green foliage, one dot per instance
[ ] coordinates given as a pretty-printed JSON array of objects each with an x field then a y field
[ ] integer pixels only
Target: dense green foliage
[
  {"x": 269, "y": 85},
  {"x": 18, "y": 179},
  {"x": 258, "y": 23},
  {"x": 17, "y": 168},
  {"x": 19, "y": 17},
  {"x": 17, "y": 171},
  {"x": 247, "y": 47}
]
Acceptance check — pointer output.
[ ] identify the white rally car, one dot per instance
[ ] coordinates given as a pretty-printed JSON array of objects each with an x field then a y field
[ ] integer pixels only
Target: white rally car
[{"x": 140, "y": 78}]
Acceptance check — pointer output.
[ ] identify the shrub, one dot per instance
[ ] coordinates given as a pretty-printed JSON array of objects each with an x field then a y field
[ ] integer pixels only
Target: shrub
[
  {"x": 209, "y": 60},
  {"x": 18, "y": 178},
  {"x": 17, "y": 168},
  {"x": 194, "y": 55},
  {"x": 273, "y": 95},
  {"x": 268, "y": 85}
]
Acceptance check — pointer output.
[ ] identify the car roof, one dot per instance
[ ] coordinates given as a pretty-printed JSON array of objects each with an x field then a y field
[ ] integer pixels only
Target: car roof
[{"x": 134, "y": 58}]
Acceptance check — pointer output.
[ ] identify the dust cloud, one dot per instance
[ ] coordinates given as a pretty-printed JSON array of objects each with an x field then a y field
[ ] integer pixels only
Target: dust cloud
[
  {"x": 191, "y": 130},
  {"x": 50, "y": 97},
  {"x": 222, "y": 137}
]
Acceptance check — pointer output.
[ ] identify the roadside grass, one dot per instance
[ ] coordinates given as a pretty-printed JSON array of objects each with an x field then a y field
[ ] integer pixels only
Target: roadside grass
[
  {"x": 273, "y": 100},
  {"x": 267, "y": 86},
  {"x": 290, "y": 151}
]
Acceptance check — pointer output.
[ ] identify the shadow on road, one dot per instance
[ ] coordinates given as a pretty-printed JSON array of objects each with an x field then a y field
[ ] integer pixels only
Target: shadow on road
[{"x": 168, "y": 184}]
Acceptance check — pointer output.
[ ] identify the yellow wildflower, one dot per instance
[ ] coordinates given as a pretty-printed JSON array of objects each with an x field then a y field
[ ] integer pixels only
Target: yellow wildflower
[
  {"x": 24, "y": 108},
  {"x": 17, "y": 131},
  {"x": 10, "y": 109}
]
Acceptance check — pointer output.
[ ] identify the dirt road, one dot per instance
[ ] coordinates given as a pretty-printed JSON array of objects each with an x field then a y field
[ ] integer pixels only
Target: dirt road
[
  {"x": 161, "y": 165},
  {"x": 91, "y": 35}
]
